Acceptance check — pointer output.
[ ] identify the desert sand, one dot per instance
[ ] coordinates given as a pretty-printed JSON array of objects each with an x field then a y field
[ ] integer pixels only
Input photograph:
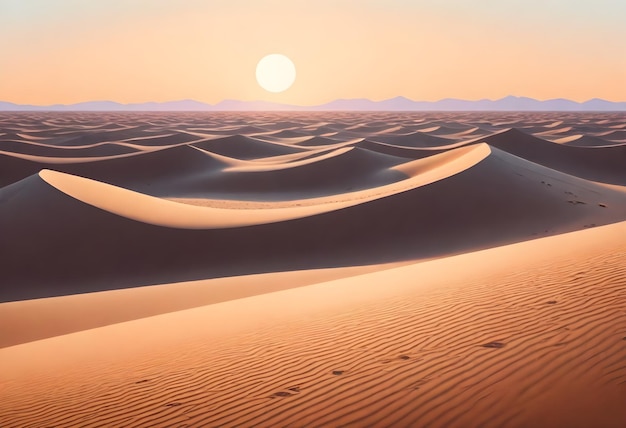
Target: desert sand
[{"x": 313, "y": 269}]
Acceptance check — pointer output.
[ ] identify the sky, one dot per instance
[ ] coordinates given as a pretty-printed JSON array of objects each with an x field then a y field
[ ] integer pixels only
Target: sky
[{"x": 68, "y": 51}]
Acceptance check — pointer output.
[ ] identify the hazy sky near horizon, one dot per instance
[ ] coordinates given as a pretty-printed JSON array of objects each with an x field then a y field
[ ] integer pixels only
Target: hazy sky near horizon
[{"x": 67, "y": 51}]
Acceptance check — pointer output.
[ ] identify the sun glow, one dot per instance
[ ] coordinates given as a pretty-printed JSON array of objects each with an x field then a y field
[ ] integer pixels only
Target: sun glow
[{"x": 275, "y": 73}]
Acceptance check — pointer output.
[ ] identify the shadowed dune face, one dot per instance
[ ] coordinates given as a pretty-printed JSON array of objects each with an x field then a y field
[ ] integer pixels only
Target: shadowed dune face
[
  {"x": 587, "y": 160},
  {"x": 326, "y": 269}
]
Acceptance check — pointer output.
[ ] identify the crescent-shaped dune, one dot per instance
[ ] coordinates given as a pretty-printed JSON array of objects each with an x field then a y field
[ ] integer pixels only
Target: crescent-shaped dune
[{"x": 161, "y": 212}]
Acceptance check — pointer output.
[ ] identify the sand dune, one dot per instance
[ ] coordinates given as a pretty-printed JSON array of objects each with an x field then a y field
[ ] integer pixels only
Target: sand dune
[
  {"x": 518, "y": 200},
  {"x": 469, "y": 133},
  {"x": 584, "y": 141},
  {"x": 442, "y": 130},
  {"x": 604, "y": 164},
  {"x": 280, "y": 134},
  {"x": 415, "y": 139},
  {"x": 474, "y": 342},
  {"x": 554, "y": 131},
  {"x": 316, "y": 141},
  {"x": 79, "y": 138},
  {"x": 401, "y": 151},
  {"x": 187, "y": 171},
  {"x": 612, "y": 135},
  {"x": 153, "y": 172},
  {"x": 16, "y": 168},
  {"x": 46, "y": 150},
  {"x": 312, "y": 269},
  {"x": 246, "y": 129},
  {"x": 342, "y": 170},
  {"x": 244, "y": 147}
]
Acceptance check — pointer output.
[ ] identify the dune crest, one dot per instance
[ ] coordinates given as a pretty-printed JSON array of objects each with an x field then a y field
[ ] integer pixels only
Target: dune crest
[{"x": 161, "y": 212}]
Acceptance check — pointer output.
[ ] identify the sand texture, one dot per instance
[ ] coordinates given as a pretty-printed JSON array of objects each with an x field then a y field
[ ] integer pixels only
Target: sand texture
[{"x": 313, "y": 269}]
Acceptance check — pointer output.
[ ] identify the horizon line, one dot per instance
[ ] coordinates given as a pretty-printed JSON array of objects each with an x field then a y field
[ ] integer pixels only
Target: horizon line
[{"x": 356, "y": 99}]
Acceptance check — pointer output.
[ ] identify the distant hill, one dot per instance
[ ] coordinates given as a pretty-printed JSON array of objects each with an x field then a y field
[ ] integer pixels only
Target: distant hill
[{"x": 509, "y": 103}]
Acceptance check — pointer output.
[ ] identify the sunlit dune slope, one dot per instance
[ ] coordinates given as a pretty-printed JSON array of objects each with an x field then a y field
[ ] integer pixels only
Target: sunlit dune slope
[{"x": 526, "y": 335}]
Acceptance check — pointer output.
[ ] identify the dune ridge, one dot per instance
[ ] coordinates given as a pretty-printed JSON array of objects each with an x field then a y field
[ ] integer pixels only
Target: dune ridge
[{"x": 38, "y": 319}]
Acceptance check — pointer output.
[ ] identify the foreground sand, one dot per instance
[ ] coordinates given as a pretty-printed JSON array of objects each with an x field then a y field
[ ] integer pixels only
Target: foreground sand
[{"x": 531, "y": 334}]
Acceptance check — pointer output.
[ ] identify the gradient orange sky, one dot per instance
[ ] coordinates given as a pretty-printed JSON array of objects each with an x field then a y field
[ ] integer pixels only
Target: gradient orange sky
[{"x": 67, "y": 51}]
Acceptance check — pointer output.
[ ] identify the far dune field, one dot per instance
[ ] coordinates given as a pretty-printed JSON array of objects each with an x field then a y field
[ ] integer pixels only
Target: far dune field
[{"x": 293, "y": 269}]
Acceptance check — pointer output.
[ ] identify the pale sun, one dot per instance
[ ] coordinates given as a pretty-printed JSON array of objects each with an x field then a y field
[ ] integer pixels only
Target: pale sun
[{"x": 275, "y": 73}]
